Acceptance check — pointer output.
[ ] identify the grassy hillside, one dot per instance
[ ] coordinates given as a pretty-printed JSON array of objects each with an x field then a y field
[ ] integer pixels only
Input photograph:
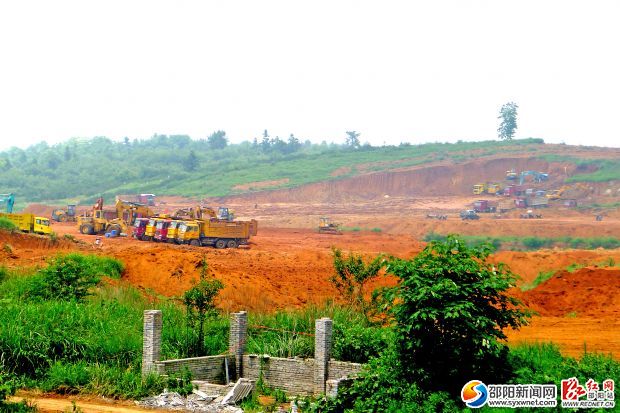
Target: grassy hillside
[{"x": 81, "y": 170}]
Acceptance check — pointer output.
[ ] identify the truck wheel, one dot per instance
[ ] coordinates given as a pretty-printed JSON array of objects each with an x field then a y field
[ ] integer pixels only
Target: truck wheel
[
  {"x": 87, "y": 229},
  {"x": 220, "y": 243},
  {"x": 62, "y": 218},
  {"x": 194, "y": 243},
  {"x": 231, "y": 244}
]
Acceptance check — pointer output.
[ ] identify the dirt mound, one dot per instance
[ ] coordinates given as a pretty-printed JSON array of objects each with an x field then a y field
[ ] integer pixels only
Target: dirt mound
[
  {"x": 19, "y": 249},
  {"x": 440, "y": 178},
  {"x": 41, "y": 210},
  {"x": 586, "y": 292}
]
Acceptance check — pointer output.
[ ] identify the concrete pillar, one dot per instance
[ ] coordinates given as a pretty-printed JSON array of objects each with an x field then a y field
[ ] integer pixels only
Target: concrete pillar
[
  {"x": 322, "y": 352},
  {"x": 238, "y": 339},
  {"x": 151, "y": 341}
]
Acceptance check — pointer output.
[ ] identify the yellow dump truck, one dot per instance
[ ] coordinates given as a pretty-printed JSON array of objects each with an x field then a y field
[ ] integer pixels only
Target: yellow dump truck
[
  {"x": 30, "y": 223},
  {"x": 216, "y": 232}
]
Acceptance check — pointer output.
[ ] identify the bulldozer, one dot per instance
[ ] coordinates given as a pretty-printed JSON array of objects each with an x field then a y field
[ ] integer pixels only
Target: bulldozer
[
  {"x": 326, "y": 226},
  {"x": 65, "y": 214},
  {"x": 119, "y": 220}
]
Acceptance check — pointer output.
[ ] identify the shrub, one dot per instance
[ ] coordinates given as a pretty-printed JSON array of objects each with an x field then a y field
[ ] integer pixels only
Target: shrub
[
  {"x": 7, "y": 225},
  {"x": 450, "y": 309},
  {"x": 70, "y": 277}
]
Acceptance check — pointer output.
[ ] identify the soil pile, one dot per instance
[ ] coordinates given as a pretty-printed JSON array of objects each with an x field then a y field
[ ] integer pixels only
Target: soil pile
[{"x": 586, "y": 292}]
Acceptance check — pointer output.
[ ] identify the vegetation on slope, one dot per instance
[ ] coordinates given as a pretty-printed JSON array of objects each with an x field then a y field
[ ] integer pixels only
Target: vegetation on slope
[{"x": 81, "y": 170}]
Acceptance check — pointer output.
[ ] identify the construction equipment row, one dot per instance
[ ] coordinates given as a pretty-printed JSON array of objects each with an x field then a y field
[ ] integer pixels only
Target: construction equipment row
[{"x": 196, "y": 226}]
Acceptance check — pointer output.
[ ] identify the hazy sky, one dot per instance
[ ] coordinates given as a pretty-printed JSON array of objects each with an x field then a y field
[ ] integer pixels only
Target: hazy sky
[{"x": 395, "y": 71}]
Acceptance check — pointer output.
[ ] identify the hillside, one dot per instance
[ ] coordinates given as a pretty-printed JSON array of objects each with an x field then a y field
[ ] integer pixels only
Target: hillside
[{"x": 81, "y": 170}]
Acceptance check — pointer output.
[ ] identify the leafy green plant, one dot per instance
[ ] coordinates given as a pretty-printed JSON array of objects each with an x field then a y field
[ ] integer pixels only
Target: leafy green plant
[
  {"x": 352, "y": 274},
  {"x": 71, "y": 276},
  {"x": 450, "y": 309},
  {"x": 199, "y": 305},
  {"x": 540, "y": 278}
]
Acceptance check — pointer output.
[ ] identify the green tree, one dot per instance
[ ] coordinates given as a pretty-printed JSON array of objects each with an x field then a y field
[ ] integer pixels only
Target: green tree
[
  {"x": 450, "y": 308},
  {"x": 217, "y": 140},
  {"x": 191, "y": 163},
  {"x": 508, "y": 124},
  {"x": 351, "y": 276},
  {"x": 200, "y": 305},
  {"x": 293, "y": 144},
  {"x": 353, "y": 139}
]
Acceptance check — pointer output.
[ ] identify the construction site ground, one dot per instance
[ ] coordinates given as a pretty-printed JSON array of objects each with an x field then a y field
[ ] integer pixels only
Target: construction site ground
[{"x": 288, "y": 264}]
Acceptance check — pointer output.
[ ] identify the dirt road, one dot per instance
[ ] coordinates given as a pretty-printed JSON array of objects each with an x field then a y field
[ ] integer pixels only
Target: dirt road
[{"x": 48, "y": 404}]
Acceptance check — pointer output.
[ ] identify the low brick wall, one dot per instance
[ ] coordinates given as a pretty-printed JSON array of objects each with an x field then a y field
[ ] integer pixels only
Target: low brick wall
[
  {"x": 295, "y": 376},
  {"x": 209, "y": 368},
  {"x": 339, "y": 369}
]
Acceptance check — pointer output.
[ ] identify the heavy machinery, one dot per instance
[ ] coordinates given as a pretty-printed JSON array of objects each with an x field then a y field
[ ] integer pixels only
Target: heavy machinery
[
  {"x": 146, "y": 199},
  {"x": 326, "y": 226},
  {"x": 216, "y": 232},
  {"x": 469, "y": 214},
  {"x": 119, "y": 220},
  {"x": 29, "y": 223},
  {"x": 7, "y": 200},
  {"x": 494, "y": 188},
  {"x": 511, "y": 175},
  {"x": 161, "y": 230},
  {"x": 538, "y": 176},
  {"x": 482, "y": 205},
  {"x": 479, "y": 189},
  {"x": 225, "y": 214},
  {"x": 65, "y": 214}
]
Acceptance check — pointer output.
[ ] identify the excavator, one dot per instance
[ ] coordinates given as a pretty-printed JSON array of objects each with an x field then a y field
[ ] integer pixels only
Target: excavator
[
  {"x": 538, "y": 176},
  {"x": 8, "y": 200},
  {"x": 119, "y": 220}
]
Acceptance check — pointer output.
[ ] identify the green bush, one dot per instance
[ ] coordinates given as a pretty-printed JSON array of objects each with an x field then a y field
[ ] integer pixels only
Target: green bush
[
  {"x": 541, "y": 278},
  {"x": 7, "y": 225},
  {"x": 71, "y": 276}
]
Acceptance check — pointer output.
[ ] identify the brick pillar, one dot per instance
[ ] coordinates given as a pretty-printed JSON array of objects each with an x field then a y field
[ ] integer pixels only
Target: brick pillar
[
  {"x": 151, "y": 341},
  {"x": 322, "y": 352},
  {"x": 238, "y": 338}
]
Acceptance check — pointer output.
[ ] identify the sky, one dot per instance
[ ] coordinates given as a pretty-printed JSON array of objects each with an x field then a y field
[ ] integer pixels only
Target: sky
[{"x": 395, "y": 71}]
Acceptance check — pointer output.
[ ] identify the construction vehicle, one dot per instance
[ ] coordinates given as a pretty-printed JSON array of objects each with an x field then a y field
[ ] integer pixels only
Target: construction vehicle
[
  {"x": 494, "y": 188},
  {"x": 173, "y": 230},
  {"x": 29, "y": 223},
  {"x": 161, "y": 230},
  {"x": 469, "y": 214},
  {"x": 139, "y": 227},
  {"x": 483, "y": 205},
  {"x": 7, "y": 200},
  {"x": 538, "y": 202},
  {"x": 530, "y": 215},
  {"x": 505, "y": 206},
  {"x": 119, "y": 220},
  {"x": 215, "y": 232},
  {"x": 146, "y": 199},
  {"x": 538, "y": 176},
  {"x": 326, "y": 226},
  {"x": 479, "y": 189},
  {"x": 513, "y": 190},
  {"x": 521, "y": 203},
  {"x": 225, "y": 214},
  {"x": 570, "y": 203},
  {"x": 65, "y": 214},
  {"x": 511, "y": 175}
]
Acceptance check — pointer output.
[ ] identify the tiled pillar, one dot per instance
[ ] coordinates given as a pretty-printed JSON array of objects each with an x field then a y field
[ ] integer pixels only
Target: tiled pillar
[{"x": 151, "y": 341}]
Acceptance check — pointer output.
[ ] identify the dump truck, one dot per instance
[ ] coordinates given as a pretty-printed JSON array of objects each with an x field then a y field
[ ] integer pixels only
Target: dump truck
[
  {"x": 494, "y": 188},
  {"x": 161, "y": 230},
  {"x": 139, "y": 228},
  {"x": 483, "y": 205},
  {"x": 479, "y": 189},
  {"x": 65, "y": 214},
  {"x": 505, "y": 206},
  {"x": 29, "y": 223},
  {"x": 216, "y": 232},
  {"x": 538, "y": 202}
]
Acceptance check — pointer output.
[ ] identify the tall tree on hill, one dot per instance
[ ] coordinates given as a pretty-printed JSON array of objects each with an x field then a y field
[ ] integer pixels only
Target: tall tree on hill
[
  {"x": 217, "y": 140},
  {"x": 508, "y": 125},
  {"x": 191, "y": 163},
  {"x": 353, "y": 139}
]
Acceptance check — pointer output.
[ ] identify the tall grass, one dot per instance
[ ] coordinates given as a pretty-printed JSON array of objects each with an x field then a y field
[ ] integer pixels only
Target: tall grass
[{"x": 7, "y": 225}]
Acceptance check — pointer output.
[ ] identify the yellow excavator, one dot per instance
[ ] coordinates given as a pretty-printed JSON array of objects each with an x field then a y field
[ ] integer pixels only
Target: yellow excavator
[
  {"x": 119, "y": 219},
  {"x": 326, "y": 226}
]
